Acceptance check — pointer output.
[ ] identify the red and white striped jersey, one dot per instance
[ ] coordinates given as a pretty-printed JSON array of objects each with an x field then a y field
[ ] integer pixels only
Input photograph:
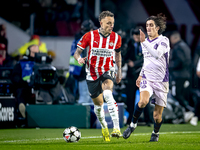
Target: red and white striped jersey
[{"x": 101, "y": 53}]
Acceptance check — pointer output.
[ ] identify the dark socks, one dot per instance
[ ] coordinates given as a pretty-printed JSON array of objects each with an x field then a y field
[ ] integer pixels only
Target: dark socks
[
  {"x": 138, "y": 111},
  {"x": 157, "y": 127}
]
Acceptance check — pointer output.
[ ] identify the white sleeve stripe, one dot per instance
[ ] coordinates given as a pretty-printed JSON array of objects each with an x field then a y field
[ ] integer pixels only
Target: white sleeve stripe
[
  {"x": 80, "y": 47},
  {"x": 116, "y": 39},
  {"x": 107, "y": 42},
  {"x": 100, "y": 41},
  {"x": 92, "y": 39}
]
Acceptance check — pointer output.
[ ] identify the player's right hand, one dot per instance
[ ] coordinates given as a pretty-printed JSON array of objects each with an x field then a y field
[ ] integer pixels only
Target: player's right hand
[
  {"x": 82, "y": 61},
  {"x": 142, "y": 36},
  {"x": 138, "y": 81}
]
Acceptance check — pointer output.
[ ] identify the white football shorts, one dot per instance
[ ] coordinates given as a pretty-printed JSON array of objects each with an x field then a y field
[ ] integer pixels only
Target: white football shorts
[{"x": 157, "y": 90}]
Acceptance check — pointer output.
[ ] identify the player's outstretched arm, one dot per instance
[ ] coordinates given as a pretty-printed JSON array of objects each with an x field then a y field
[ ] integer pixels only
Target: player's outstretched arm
[
  {"x": 118, "y": 60},
  {"x": 77, "y": 56}
]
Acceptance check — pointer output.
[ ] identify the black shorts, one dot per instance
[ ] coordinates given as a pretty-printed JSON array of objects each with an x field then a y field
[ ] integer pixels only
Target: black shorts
[{"x": 95, "y": 87}]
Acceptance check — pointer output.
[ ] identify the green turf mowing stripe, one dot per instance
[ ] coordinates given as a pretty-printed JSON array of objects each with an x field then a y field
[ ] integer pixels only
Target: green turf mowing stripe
[{"x": 135, "y": 134}]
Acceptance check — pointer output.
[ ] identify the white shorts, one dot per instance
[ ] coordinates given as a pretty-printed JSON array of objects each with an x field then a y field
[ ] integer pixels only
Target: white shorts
[{"x": 157, "y": 90}]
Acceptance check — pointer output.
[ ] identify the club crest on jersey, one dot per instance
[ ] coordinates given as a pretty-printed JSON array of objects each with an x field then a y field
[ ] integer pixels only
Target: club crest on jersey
[{"x": 111, "y": 43}]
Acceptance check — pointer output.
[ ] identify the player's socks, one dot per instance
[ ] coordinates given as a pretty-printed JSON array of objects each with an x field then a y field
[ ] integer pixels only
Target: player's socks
[
  {"x": 22, "y": 109},
  {"x": 138, "y": 111},
  {"x": 99, "y": 111},
  {"x": 112, "y": 108},
  {"x": 133, "y": 125},
  {"x": 157, "y": 126}
]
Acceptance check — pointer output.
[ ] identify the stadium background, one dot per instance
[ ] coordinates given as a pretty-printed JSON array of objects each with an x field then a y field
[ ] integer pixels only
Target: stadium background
[{"x": 57, "y": 21}]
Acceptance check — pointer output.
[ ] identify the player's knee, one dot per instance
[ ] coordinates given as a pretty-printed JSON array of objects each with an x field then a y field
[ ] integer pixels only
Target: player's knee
[{"x": 142, "y": 103}]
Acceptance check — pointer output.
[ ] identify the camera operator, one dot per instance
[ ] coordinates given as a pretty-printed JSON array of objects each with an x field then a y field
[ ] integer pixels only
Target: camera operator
[
  {"x": 45, "y": 80},
  {"x": 21, "y": 77}
]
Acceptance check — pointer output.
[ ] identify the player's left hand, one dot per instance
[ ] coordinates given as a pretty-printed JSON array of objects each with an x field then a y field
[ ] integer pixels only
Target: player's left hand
[
  {"x": 82, "y": 61},
  {"x": 142, "y": 36},
  {"x": 119, "y": 76},
  {"x": 138, "y": 81}
]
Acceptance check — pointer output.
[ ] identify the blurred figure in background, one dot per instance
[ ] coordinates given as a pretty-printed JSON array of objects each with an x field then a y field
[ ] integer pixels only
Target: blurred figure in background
[
  {"x": 134, "y": 61},
  {"x": 194, "y": 120},
  {"x": 21, "y": 77},
  {"x": 34, "y": 40},
  {"x": 78, "y": 71},
  {"x": 180, "y": 73},
  {"x": 5, "y": 59},
  {"x": 3, "y": 44}
]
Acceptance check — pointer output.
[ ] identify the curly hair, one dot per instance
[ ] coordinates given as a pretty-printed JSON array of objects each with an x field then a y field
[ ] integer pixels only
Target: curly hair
[
  {"x": 160, "y": 21},
  {"x": 104, "y": 14}
]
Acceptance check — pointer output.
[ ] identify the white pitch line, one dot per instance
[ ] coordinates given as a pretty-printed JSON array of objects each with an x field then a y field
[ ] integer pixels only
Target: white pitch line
[{"x": 92, "y": 137}]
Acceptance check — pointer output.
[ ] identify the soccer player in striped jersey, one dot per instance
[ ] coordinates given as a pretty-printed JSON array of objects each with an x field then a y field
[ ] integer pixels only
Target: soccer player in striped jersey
[
  {"x": 104, "y": 52},
  {"x": 154, "y": 76}
]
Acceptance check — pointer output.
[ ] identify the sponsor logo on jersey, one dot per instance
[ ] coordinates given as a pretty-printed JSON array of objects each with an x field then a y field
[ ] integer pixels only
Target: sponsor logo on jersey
[{"x": 102, "y": 52}]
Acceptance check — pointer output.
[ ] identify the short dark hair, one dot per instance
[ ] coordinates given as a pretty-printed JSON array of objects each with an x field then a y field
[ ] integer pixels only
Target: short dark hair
[
  {"x": 87, "y": 25},
  {"x": 176, "y": 34},
  {"x": 104, "y": 14},
  {"x": 160, "y": 21}
]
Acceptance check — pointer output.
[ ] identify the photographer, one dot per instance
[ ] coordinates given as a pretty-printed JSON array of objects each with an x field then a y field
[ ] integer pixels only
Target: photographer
[{"x": 21, "y": 77}]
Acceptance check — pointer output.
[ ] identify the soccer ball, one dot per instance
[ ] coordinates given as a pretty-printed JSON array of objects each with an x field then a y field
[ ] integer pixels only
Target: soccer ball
[{"x": 71, "y": 134}]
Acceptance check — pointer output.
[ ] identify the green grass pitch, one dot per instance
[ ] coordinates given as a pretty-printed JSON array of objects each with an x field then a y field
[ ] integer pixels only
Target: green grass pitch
[{"x": 172, "y": 137}]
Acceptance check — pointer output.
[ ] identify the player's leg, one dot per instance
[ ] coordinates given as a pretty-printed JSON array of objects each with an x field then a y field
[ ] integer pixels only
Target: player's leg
[
  {"x": 99, "y": 111},
  {"x": 157, "y": 115},
  {"x": 107, "y": 87},
  {"x": 144, "y": 99},
  {"x": 95, "y": 91},
  {"x": 160, "y": 100}
]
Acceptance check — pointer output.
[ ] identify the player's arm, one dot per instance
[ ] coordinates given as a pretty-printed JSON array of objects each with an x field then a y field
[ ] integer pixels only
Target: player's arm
[
  {"x": 139, "y": 77},
  {"x": 82, "y": 44},
  {"x": 157, "y": 53},
  {"x": 118, "y": 61},
  {"x": 77, "y": 56}
]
